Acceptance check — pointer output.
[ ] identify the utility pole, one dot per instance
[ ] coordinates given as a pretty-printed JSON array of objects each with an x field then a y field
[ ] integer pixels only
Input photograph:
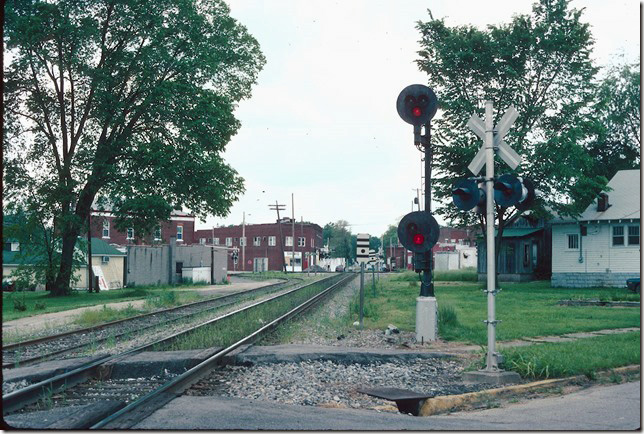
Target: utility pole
[
  {"x": 244, "y": 242},
  {"x": 279, "y": 207},
  {"x": 293, "y": 232}
]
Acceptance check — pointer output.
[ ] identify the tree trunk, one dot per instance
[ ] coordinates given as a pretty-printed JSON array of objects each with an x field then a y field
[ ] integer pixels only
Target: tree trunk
[{"x": 62, "y": 282}]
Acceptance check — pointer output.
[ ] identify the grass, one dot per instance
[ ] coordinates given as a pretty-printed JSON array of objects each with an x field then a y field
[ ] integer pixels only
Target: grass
[
  {"x": 581, "y": 357},
  {"x": 89, "y": 318},
  {"x": 229, "y": 330},
  {"x": 525, "y": 309},
  {"x": 39, "y": 302}
]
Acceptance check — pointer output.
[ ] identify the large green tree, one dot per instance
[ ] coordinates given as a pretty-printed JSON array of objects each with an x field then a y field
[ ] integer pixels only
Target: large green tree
[
  {"x": 540, "y": 64},
  {"x": 339, "y": 239},
  {"x": 130, "y": 100},
  {"x": 616, "y": 142}
]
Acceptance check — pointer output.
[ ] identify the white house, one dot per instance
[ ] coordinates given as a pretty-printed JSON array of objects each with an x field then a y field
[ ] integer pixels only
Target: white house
[{"x": 602, "y": 247}]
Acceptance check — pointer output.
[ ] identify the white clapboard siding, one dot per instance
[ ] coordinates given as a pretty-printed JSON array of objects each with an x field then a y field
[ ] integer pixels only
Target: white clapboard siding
[{"x": 599, "y": 255}]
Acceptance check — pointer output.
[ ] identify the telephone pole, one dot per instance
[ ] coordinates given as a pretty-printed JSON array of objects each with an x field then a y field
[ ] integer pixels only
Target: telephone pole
[
  {"x": 279, "y": 207},
  {"x": 293, "y": 232}
]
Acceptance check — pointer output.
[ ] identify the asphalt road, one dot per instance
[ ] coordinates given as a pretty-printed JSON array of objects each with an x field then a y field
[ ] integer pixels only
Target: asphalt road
[{"x": 614, "y": 407}]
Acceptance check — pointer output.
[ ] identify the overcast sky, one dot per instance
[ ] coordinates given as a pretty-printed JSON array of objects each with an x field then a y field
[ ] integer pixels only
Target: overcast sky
[{"x": 322, "y": 123}]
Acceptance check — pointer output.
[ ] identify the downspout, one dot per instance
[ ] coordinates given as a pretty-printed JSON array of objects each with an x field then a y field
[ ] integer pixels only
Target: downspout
[{"x": 581, "y": 251}]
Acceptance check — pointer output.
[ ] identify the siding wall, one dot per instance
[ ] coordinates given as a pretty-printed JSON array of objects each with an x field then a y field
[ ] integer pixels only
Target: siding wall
[{"x": 602, "y": 263}]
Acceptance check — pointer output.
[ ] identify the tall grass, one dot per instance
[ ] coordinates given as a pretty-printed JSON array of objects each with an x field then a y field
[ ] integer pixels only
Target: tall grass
[
  {"x": 581, "y": 357},
  {"x": 463, "y": 275},
  {"x": 90, "y": 318}
]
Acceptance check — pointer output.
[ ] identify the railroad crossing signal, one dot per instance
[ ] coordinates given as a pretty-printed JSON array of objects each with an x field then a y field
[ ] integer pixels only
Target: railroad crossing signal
[
  {"x": 362, "y": 248},
  {"x": 511, "y": 190},
  {"x": 505, "y": 151},
  {"x": 467, "y": 194},
  {"x": 235, "y": 256},
  {"x": 418, "y": 231}
]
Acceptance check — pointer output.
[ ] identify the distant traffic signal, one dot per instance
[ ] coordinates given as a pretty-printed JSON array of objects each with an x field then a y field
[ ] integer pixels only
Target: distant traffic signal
[
  {"x": 467, "y": 194},
  {"x": 418, "y": 231},
  {"x": 511, "y": 190},
  {"x": 417, "y": 104}
]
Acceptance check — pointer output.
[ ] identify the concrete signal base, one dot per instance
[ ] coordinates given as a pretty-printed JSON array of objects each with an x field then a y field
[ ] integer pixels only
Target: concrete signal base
[
  {"x": 491, "y": 377},
  {"x": 426, "y": 319}
]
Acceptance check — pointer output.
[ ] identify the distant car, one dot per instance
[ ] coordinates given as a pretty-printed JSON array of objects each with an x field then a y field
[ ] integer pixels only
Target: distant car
[
  {"x": 339, "y": 268},
  {"x": 633, "y": 284}
]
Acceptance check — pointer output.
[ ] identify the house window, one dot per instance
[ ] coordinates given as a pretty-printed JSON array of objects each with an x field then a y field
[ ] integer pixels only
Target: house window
[
  {"x": 179, "y": 233},
  {"x": 229, "y": 241},
  {"x": 633, "y": 235},
  {"x": 242, "y": 241},
  {"x": 202, "y": 241},
  {"x": 271, "y": 241},
  {"x": 216, "y": 241},
  {"x": 573, "y": 241},
  {"x": 105, "y": 259},
  {"x": 301, "y": 242},
  {"x": 618, "y": 235},
  {"x": 312, "y": 242},
  {"x": 130, "y": 233},
  {"x": 106, "y": 228},
  {"x": 289, "y": 242},
  {"x": 157, "y": 233},
  {"x": 257, "y": 241},
  {"x": 15, "y": 246}
]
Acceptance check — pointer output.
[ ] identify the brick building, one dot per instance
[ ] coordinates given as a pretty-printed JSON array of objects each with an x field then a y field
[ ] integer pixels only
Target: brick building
[
  {"x": 261, "y": 250},
  {"x": 181, "y": 226}
]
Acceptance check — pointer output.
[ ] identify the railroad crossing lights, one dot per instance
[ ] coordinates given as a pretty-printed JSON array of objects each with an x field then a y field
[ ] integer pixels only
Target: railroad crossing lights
[
  {"x": 505, "y": 151},
  {"x": 362, "y": 248}
]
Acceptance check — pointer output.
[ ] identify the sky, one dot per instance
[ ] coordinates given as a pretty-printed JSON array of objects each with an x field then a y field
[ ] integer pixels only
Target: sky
[{"x": 321, "y": 126}]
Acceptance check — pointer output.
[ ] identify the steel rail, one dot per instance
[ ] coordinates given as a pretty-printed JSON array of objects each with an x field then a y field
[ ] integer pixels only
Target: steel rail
[
  {"x": 230, "y": 298},
  {"x": 131, "y": 414},
  {"x": 22, "y": 397}
]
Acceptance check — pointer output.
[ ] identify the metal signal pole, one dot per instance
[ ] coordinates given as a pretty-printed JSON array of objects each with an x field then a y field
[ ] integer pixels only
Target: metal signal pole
[{"x": 293, "y": 232}]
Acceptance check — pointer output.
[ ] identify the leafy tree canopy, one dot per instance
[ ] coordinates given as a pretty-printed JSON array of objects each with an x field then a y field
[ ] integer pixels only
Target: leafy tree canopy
[
  {"x": 131, "y": 100},
  {"x": 538, "y": 63}
]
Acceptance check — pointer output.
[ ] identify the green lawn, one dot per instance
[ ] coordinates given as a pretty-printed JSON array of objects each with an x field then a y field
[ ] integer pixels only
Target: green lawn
[
  {"x": 525, "y": 309},
  {"x": 39, "y": 302}
]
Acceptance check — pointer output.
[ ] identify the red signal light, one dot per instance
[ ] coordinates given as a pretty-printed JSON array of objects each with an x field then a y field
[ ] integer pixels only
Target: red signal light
[
  {"x": 418, "y": 239},
  {"x": 416, "y": 111}
]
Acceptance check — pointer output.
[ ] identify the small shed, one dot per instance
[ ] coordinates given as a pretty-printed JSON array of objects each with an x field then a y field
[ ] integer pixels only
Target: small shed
[{"x": 524, "y": 253}]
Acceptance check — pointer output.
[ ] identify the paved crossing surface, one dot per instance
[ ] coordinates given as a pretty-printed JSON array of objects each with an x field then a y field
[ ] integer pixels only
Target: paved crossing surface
[{"x": 614, "y": 407}]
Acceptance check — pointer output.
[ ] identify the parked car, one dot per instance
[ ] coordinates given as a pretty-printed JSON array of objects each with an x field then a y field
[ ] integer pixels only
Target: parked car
[
  {"x": 633, "y": 284},
  {"x": 339, "y": 268}
]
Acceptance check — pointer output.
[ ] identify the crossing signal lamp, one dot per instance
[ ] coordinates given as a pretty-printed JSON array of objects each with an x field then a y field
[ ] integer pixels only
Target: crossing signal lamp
[
  {"x": 511, "y": 190},
  {"x": 418, "y": 231},
  {"x": 467, "y": 194}
]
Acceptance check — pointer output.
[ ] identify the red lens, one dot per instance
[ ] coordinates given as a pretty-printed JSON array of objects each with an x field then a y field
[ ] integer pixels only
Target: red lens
[
  {"x": 418, "y": 239},
  {"x": 416, "y": 111}
]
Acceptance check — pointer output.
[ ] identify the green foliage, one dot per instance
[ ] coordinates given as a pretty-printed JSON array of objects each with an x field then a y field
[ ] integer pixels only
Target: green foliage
[
  {"x": 616, "y": 127},
  {"x": 40, "y": 306},
  {"x": 161, "y": 300},
  {"x": 540, "y": 64},
  {"x": 19, "y": 304},
  {"x": 338, "y": 236},
  {"x": 583, "y": 356},
  {"x": 111, "y": 97}
]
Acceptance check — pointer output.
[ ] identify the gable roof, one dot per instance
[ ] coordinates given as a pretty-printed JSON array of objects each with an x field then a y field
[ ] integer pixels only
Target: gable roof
[
  {"x": 624, "y": 199},
  {"x": 101, "y": 248}
]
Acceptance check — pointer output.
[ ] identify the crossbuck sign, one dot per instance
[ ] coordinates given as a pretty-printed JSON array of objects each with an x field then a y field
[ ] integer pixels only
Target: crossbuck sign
[{"x": 505, "y": 151}]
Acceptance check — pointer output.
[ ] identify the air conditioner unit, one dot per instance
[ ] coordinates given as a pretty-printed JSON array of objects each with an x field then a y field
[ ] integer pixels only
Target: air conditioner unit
[{"x": 105, "y": 259}]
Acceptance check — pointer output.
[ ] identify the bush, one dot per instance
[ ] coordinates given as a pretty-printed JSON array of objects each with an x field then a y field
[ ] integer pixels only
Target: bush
[
  {"x": 19, "y": 305},
  {"x": 40, "y": 306}
]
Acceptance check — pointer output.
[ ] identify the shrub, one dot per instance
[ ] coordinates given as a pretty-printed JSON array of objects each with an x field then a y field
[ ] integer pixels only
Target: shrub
[
  {"x": 40, "y": 306},
  {"x": 19, "y": 304}
]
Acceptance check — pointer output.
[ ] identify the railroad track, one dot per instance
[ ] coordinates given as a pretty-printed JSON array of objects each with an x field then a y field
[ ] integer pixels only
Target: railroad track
[
  {"x": 72, "y": 342},
  {"x": 138, "y": 397}
]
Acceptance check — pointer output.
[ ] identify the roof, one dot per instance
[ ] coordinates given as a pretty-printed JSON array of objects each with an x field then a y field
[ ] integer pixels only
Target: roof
[
  {"x": 623, "y": 197},
  {"x": 99, "y": 248},
  {"x": 515, "y": 232}
]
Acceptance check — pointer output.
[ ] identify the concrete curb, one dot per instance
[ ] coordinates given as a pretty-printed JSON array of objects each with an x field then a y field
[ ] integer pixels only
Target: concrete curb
[{"x": 444, "y": 404}]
